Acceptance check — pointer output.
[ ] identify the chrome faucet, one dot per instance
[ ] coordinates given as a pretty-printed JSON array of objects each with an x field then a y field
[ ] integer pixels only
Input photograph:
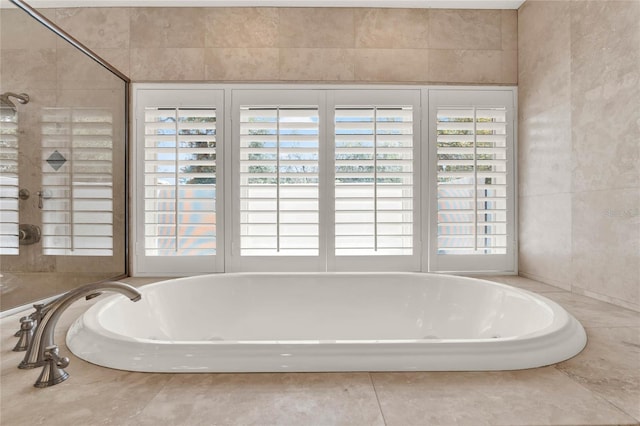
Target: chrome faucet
[{"x": 41, "y": 351}]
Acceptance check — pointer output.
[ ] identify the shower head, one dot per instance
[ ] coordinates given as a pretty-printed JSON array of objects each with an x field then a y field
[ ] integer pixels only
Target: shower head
[{"x": 8, "y": 110}]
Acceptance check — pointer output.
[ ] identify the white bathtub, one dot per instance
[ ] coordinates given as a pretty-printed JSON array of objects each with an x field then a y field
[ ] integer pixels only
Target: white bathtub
[{"x": 326, "y": 322}]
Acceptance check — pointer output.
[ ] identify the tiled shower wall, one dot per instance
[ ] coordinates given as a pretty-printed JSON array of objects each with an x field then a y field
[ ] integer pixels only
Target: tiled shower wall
[
  {"x": 579, "y": 146},
  {"x": 301, "y": 44}
]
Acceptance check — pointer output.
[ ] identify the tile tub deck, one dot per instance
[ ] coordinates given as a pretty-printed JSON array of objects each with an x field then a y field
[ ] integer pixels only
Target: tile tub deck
[{"x": 600, "y": 386}]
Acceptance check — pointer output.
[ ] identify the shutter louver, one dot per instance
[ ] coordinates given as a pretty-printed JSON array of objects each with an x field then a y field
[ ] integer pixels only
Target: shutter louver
[
  {"x": 9, "y": 219},
  {"x": 373, "y": 181},
  {"x": 77, "y": 182},
  {"x": 471, "y": 180},
  {"x": 279, "y": 172},
  {"x": 180, "y": 181}
]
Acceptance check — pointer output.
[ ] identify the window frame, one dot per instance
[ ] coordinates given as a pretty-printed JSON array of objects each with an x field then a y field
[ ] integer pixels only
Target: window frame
[
  {"x": 423, "y": 208},
  {"x": 377, "y": 97},
  {"x": 235, "y": 262},
  {"x": 485, "y": 263},
  {"x": 174, "y": 96}
]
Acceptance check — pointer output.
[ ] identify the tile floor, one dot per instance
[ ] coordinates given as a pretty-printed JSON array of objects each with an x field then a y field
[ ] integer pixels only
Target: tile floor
[{"x": 600, "y": 386}]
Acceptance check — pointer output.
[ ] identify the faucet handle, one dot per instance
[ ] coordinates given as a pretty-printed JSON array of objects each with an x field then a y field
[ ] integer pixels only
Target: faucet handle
[
  {"x": 52, "y": 372},
  {"x": 52, "y": 353},
  {"x": 25, "y": 333},
  {"x": 26, "y": 323}
]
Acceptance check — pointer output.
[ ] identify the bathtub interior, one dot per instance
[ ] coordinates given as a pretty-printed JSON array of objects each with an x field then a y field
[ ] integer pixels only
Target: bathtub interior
[{"x": 326, "y": 307}]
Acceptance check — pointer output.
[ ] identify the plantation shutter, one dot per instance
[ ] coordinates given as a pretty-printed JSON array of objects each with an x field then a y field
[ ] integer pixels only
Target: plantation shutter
[
  {"x": 9, "y": 219},
  {"x": 375, "y": 187},
  {"x": 180, "y": 181},
  {"x": 178, "y": 174},
  {"x": 279, "y": 172},
  {"x": 373, "y": 180},
  {"x": 472, "y": 143},
  {"x": 77, "y": 182}
]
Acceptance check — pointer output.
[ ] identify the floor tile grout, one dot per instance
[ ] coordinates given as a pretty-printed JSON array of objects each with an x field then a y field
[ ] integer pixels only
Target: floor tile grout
[
  {"x": 375, "y": 391},
  {"x": 596, "y": 394}
]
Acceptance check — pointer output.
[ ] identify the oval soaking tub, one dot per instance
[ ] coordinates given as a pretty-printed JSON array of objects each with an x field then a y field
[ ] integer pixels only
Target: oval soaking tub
[{"x": 264, "y": 322}]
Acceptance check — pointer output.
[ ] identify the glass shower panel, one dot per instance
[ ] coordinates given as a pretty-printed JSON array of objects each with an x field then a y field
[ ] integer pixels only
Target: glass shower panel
[{"x": 62, "y": 164}]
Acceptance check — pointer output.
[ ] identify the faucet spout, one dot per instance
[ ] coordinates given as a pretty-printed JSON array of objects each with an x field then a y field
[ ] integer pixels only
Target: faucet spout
[{"x": 43, "y": 336}]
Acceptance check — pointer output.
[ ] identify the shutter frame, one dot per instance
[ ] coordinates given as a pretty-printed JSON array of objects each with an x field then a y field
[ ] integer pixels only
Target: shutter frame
[{"x": 472, "y": 223}]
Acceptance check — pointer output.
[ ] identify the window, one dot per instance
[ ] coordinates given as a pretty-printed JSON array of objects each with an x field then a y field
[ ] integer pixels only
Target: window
[
  {"x": 373, "y": 180},
  {"x": 277, "y": 170},
  {"x": 376, "y": 180},
  {"x": 279, "y": 173},
  {"x": 9, "y": 186},
  {"x": 323, "y": 179},
  {"x": 180, "y": 181},
  {"x": 77, "y": 181},
  {"x": 471, "y": 140},
  {"x": 178, "y": 137}
]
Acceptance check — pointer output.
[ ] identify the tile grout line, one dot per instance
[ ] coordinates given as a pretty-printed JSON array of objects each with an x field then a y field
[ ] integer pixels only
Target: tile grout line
[
  {"x": 377, "y": 398},
  {"x": 597, "y": 394}
]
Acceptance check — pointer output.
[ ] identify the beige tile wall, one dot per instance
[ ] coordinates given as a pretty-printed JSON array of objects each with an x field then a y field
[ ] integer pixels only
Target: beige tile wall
[
  {"x": 302, "y": 44},
  {"x": 579, "y": 146}
]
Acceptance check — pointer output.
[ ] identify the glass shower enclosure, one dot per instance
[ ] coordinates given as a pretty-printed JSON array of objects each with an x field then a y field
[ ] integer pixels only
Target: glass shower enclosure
[{"x": 63, "y": 161}]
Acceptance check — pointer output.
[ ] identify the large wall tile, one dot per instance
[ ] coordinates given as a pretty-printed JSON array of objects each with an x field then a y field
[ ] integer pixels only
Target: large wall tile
[
  {"x": 392, "y": 65},
  {"x": 118, "y": 58},
  {"x": 542, "y": 23},
  {"x": 582, "y": 57},
  {"x": 242, "y": 27},
  {"x": 465, "y": 29},
  {"x": 544, "y": 59},
  {"x": 509, "y": 22},
  {"x": 167, "y": 64},
  {"x": 597, "y": 18},
  {"x": 606, "y": 243},
  {"x": 167, "y": 27},
  {"x": 544, "y": 152},
  {"x": 316, "y": 64},
  {"x": 245, "y": 64},
  {"x": 509, "y": 67},
  {"x": 39, "y": 73},
  {"x": 545, "y": 238},
  {"x": 606, "y": 131},
  {"x": 465, "y": 66},
  {"x": 367, "y": 32},
  {"x": 605, "y": 83},
  {"x": 392, "y": 28},
  {"x": 317, "y": 27},
  {"x": 97, "y": 27},
  {"x": 76, "y": 71},
  {"x": 19, "y": 30},
  {"x": 607, "y": 54}
]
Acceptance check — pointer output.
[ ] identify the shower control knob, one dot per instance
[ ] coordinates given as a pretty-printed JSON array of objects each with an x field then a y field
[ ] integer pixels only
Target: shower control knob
[
  {"x": 24, "y": 194},
  {"x": 29, "y": 234}
]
